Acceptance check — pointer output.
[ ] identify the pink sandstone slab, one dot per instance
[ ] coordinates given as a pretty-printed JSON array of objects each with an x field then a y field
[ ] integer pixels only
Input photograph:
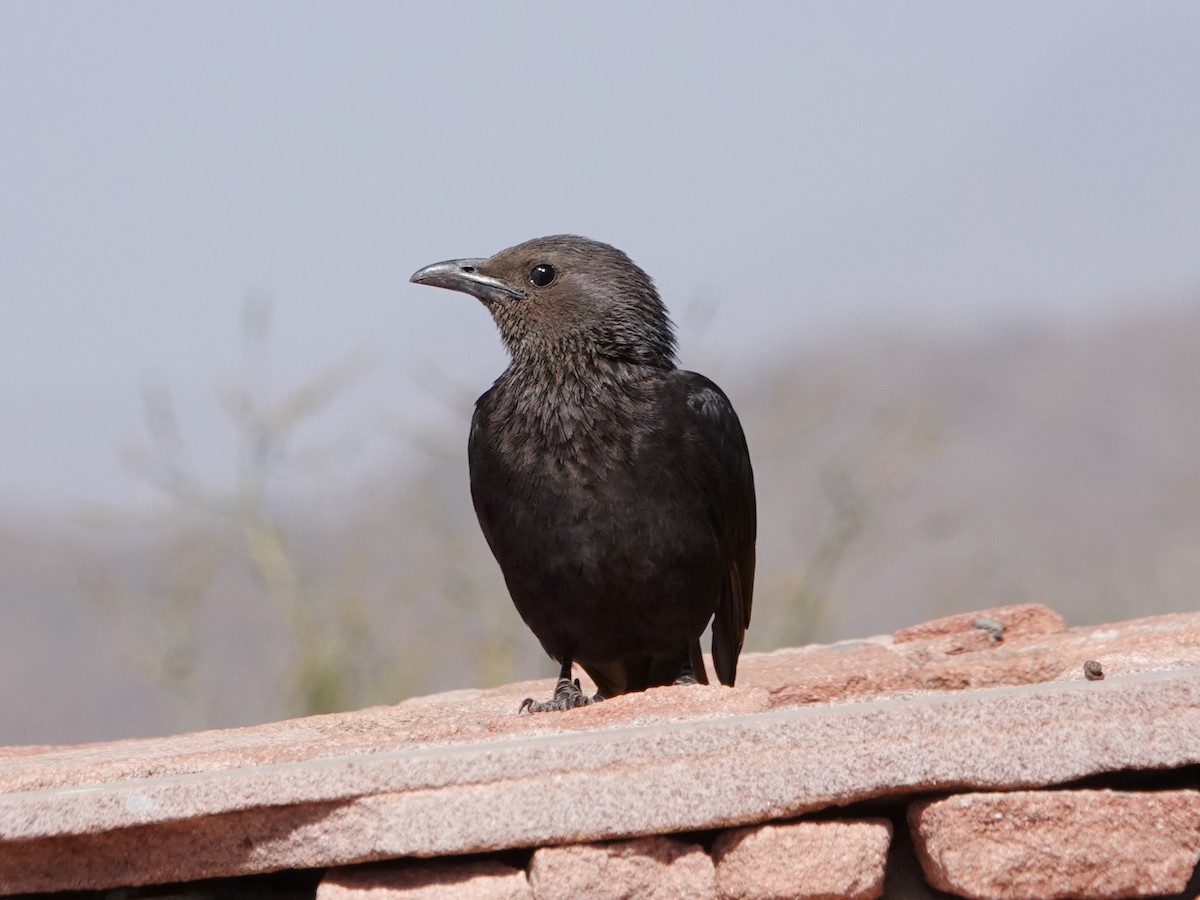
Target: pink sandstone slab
[
  {"x": 1155, "y": 644},
  {"x": 956, "y": 653},
  {"x": 473, "y": 879},
  {"x": 833, "y": 860},
  {"x": 1043, "y": 845},
  {"x": 457, "y": 717},
  {"x": 652, "y": 868}
]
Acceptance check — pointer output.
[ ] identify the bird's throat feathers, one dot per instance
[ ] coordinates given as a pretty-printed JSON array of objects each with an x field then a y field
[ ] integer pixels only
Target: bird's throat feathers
[
  {"x": 563, "y": 411},
  {"x": 640, "y": 334}
]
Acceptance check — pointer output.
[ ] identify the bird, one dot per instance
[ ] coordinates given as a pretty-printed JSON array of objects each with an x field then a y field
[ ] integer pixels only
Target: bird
[{"x": 614, "y": 488}]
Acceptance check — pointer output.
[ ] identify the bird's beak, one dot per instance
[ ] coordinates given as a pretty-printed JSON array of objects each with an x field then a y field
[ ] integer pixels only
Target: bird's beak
[{"x": 464, "y": 275}]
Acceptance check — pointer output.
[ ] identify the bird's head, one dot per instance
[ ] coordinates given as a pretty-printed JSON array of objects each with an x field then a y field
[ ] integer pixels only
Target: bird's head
[{"x": 565, "y": 295}]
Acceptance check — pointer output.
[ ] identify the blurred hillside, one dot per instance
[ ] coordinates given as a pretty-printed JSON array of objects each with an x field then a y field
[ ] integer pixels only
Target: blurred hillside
[{"x": 901, "y": 476}]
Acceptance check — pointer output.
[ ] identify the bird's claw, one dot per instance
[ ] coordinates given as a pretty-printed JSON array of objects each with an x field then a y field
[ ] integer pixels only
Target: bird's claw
[{"x": 567, "y": 695}]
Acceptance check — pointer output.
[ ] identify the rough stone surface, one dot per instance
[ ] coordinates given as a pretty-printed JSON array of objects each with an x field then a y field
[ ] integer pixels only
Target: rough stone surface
[
  {"x": 1141, "y": 645},
  {"x": 1043, "y": 845},
  {"x": 823, "y": 674},
  {"x": 1019, "y": 621},
  {"x": 655, "y": 868},
  {"x": 451, "y": 879},
  {"x": 804, "y": 860},
  {"x": 462, "y": 773}
]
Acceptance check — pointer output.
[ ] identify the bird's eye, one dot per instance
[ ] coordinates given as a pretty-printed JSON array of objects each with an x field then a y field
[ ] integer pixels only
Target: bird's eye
[{"x": 542, "y": 274}]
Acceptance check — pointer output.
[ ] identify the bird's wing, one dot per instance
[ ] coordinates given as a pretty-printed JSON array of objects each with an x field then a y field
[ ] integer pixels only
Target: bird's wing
[
  {"x": 720, "y": 460},
  {"x": 482, "y": 463}
]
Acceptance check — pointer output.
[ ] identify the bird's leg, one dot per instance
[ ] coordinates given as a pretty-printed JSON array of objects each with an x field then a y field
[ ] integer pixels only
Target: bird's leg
[
  {"x": 687, "y": 675},
  {"x": 567, "y": 694}
]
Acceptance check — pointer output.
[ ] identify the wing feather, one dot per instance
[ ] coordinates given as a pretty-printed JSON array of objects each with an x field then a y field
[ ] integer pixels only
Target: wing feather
[{"x": 722, "y": 464}]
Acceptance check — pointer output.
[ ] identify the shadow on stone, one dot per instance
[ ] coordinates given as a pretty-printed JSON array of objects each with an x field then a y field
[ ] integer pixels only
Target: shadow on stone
[{"x": 163, "y": 853}]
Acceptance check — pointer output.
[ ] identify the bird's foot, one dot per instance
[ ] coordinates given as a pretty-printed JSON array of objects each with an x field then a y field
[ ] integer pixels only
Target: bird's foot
[
  {"x": 687, "y": 678},
  {"x": 567, "y": 695}
]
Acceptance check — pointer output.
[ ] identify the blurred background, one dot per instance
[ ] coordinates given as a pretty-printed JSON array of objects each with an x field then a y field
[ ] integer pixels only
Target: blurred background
[{"x": 944, "y": 258}]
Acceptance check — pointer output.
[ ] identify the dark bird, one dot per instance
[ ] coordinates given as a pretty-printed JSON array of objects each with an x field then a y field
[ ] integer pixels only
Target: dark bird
[{"x": 614, "y": 488}]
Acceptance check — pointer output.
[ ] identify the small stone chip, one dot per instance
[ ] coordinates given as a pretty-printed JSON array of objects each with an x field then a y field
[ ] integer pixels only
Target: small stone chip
[
  {"x": 1092, "y": 670},
  {"x": 991, "y": 626}
]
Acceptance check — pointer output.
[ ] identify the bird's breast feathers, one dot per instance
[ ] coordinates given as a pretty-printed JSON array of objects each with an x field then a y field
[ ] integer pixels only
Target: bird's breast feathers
[{"x": 571, "y": 427}]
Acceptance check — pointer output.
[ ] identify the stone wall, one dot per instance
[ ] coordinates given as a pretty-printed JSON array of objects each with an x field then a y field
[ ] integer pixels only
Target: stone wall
[{"x": 993, "y": 754}]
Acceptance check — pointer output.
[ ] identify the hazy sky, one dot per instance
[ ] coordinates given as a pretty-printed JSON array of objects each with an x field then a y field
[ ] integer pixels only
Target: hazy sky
[{"x": 809, "y": 168}]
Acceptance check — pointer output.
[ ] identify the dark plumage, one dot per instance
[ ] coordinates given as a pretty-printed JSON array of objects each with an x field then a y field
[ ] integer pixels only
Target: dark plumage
[{"x": 614, "y": 489}]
